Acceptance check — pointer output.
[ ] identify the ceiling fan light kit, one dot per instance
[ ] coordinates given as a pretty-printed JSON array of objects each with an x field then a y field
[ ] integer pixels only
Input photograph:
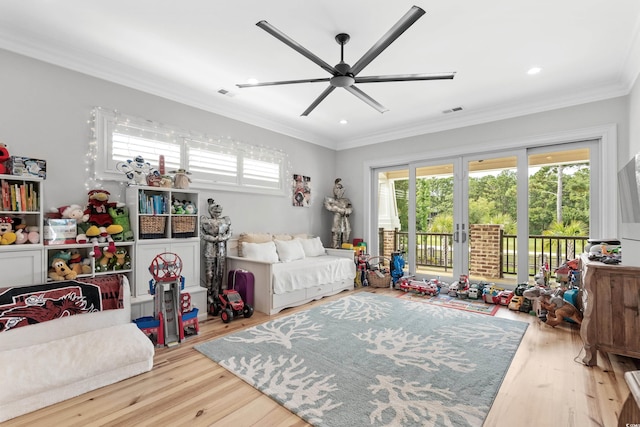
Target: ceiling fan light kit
[{"x": 345, "y": 76}]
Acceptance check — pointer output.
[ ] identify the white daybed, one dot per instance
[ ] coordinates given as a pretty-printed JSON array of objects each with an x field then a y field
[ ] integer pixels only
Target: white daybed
[
  {"x": 54, "y": 360},
  {"x": 290, "y": 278}
]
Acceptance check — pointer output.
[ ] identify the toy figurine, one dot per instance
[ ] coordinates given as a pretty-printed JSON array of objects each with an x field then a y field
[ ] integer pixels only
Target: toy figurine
[
  {"x": 180, "y": 179},
  {"x": 137, "y": 171}
]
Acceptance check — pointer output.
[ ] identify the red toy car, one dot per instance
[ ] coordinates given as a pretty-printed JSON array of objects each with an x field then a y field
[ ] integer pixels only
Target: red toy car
[{"x": 230, "y": 305}]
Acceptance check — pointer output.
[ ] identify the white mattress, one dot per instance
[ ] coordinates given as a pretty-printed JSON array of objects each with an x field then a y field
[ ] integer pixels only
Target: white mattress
[{"x": 311, "y": 271}]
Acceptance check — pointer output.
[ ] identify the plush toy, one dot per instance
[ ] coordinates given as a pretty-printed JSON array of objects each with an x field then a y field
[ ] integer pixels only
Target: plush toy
[
  {"x": 63, "y": 254},
  {"x": 21, "y": 236},
  {"x": 100, "y": 222},
  {"x": 77, "y": 263},
  {"x": 72, "y": 212},
  {"x": 120, "y": 216},
  {"x": 4, "y": 156},
  {"x": 61, "y": 271},
  {"x": 122, "y": 261},
  {"x": 557, "y": 309},
  {"x": 190, "y": 208},
  {"x": 181, "y": 180},
  {"x": 7, "y": 235},
  {"x": 33, "y": 234},
  {"x": 105, "y": 260}
]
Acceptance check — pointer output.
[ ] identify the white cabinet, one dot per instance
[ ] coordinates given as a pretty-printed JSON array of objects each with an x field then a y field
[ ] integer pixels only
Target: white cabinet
[
  {"x": 158, "y": 230},
  {"x": 21, "y": 208},
  {"x": 121, "y": 261}
]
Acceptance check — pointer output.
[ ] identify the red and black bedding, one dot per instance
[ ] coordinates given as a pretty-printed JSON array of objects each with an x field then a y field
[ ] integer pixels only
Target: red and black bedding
[{"x": 27, "y": 305}]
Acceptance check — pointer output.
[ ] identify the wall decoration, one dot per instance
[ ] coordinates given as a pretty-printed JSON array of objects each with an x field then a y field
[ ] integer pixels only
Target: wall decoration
[{"x": 301, "y": 194}]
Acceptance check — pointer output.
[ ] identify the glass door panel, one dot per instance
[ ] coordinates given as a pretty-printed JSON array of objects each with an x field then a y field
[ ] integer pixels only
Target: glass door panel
[
  {"x": 492, "y": 219},
  {"x": 434, "y": 219},
  {"x": 559, "y": 213},
  {"x": 393, "y": 213}
]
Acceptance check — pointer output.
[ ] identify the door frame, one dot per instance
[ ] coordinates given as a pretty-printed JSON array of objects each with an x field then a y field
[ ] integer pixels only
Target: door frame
[{"x": 603, "y": 187}]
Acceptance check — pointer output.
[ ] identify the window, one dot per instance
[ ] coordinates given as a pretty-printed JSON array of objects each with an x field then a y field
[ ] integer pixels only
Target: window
[{"x": 215, "y": 163}]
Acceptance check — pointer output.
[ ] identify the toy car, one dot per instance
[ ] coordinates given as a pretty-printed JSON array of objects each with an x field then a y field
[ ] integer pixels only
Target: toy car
[
  {"x": 230, "y": 305},
  {"x": 505, "y": 297},
  {"x": 516, "y": 303}
]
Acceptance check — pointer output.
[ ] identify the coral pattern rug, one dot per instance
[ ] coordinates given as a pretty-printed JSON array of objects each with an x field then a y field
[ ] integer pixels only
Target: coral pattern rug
[
  {"x": 476, "y": 306},
  {"x": 376, "y": 360}
]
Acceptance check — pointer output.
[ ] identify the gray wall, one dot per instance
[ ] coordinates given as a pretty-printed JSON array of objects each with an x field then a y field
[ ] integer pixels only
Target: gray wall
[{"x": 44, "y": 111}]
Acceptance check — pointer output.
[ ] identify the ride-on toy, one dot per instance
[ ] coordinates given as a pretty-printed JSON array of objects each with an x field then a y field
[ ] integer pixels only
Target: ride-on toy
[{"x": 230, "y": 305}]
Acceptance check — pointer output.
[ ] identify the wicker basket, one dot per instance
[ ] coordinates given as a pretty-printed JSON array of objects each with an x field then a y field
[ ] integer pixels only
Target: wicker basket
[
  {"x": 183, "y": 226},
  {"x": 377, "y": 278},
  {"x": 152, "y": 227}
]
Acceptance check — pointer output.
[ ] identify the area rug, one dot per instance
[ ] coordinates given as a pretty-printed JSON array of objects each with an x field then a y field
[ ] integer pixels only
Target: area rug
[
  {"x": 369, "y": 359},
  {"x": 476, "y": 306}
]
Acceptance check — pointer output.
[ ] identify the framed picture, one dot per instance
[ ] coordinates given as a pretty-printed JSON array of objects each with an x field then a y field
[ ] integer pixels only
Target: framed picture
[{"x": 301, "y": 191}]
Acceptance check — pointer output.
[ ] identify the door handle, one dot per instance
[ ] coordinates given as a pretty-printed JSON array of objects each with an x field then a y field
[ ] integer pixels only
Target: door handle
[
  {"x": 456, "y": 234},
  {"x": 464, "y": 234}
]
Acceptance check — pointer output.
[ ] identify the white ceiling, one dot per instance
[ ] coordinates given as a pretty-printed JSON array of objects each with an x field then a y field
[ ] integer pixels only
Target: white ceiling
[{"x": 189, "y": 50}]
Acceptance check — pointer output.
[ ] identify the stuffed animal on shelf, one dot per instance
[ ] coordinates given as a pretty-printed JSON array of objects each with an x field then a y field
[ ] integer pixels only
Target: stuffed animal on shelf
[
  {"x": 120, "y": 216},
  {"x": 61, "y": 271},
  {"x": 101, "y": 224},
  {"x": 76, "y": 263},
  {"x": 105, "y": 260},
  {"x": 180, "y": 179},
  {"x": 122, "y": 261},
  {"x": 4, "y": 156},
  {"x": 7, "y": 235}
]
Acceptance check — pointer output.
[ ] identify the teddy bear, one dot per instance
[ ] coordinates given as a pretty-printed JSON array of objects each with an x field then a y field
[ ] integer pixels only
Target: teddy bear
[
  {"x": 7, "y": 235},
  {"x": 61, "y": 271}
]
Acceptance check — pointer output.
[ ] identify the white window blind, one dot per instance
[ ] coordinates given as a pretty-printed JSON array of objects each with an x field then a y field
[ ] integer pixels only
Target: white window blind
[{"x": 215, "y": 163}]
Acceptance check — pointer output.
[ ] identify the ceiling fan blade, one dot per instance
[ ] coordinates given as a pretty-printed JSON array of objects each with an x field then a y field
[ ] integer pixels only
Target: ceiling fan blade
[
  {"x": 366, "y": 98},
  {"x": 405, "y": 77},
  {"x": 400, "y": 27},
  {"x": 283, "y": 82},
  {"x": 295, "y": 46},
  {"x": 318, "y": 100}
]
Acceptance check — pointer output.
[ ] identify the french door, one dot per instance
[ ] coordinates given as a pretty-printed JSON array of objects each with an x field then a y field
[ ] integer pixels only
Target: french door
[{"x": 474, "y": 214}]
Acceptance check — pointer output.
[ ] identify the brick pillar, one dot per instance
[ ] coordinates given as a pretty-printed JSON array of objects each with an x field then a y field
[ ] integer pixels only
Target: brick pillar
[
  {"x": 486, "y": 250},
  {"x": 387, "y": 242}
]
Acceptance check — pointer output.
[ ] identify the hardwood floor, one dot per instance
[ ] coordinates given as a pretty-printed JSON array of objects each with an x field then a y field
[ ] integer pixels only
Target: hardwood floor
[{"x": 546, "y": 385}]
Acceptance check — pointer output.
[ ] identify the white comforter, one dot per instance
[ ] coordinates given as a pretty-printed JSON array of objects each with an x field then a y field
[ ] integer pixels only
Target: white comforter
[{"x": 311, "y": 271}]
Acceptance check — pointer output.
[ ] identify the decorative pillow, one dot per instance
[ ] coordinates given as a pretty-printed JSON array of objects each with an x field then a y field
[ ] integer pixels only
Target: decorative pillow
[
  {"x": 252, "y": 238},
  {"x": 289, "y": 250},
  {"x": 260, "y": 251},
  {"x": 312, "y": 247},
  {"x": 282, "y": 237}
]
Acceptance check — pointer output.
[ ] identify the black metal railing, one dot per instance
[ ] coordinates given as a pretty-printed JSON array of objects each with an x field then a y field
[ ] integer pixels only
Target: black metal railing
[{"x": 436, "y": 250}]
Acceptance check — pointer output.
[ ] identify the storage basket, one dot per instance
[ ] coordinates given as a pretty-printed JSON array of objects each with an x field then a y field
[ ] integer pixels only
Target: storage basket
[
  {"x": 183, "y": 226},
  {"x": 152, "y": 227},
  {"x": 378, "y": 278}
]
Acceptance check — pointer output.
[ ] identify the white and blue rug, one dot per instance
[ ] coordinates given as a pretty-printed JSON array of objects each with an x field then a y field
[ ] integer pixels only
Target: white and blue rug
[{"x": 374, "y": 360}]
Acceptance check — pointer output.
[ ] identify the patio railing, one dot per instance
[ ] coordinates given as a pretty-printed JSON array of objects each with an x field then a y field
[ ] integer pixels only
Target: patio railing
[{"x": 436, "y": 250}]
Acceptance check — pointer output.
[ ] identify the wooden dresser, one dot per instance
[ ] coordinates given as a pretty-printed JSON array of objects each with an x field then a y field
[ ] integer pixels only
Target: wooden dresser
[{"x": 611, "y": 301}]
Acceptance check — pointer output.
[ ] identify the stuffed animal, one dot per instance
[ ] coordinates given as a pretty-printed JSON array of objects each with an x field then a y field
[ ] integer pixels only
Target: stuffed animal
[
  {"x": 105, "y": 261},
  {"x": 4, "y": 156},
  {"x": 77, "y": 264},
  {"x": 33, "y": 234},
  {"x": 7, "y": 235},
  {"x": 72, "y": 212},
  {"x": 181, "y": 180},
  {"x": 120, "y": 216},
  {"x": 122, "y": 260},
  {"x": 61, "y": 271},
  {"x": 556, "y": 307},
  {"x": 190, "y": 208},
  {"x": 100, "y": 222}
]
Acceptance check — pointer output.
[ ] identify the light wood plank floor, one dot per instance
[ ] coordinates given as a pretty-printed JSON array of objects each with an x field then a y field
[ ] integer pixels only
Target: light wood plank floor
[{"x": 546, "y": 385}]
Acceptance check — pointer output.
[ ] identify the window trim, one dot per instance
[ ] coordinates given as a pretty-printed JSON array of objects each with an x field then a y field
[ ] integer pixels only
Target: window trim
[{"x": 105, "y": 122}]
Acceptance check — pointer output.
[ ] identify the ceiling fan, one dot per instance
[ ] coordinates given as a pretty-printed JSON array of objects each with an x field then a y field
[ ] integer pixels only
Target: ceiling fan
[{"x": 345, "y": 75}]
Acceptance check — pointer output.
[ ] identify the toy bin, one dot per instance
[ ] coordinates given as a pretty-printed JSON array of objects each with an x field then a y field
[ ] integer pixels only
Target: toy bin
[
  {"x": 183, "y": 226},
  {"x": 152, "y": 226}
]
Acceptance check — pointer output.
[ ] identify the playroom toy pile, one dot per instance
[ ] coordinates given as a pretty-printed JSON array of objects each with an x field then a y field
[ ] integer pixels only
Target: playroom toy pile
[{"x": 552, "y": 302}]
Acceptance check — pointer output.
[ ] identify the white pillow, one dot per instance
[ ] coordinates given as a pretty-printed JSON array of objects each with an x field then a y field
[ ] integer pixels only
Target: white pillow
[
  {"x": 312, "y": 247},
  {"x": 289, "y": 250},
  {"x": 260, "y": 251}
]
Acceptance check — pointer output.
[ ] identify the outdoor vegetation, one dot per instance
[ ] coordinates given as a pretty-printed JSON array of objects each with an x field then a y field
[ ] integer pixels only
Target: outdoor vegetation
[{"x": 558, "y": 201}]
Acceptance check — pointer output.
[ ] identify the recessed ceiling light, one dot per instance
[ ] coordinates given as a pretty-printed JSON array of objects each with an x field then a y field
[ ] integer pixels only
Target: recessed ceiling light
[
  {"x": 252, "y": 81},
  {"x": 534, "y": 70},
  {"x": 343, "y": 122}
]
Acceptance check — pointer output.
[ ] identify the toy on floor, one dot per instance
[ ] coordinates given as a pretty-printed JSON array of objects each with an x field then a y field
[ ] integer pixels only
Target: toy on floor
[
  {"x": 231, "y": 305},
  {"x": 557, "y": 309}
]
